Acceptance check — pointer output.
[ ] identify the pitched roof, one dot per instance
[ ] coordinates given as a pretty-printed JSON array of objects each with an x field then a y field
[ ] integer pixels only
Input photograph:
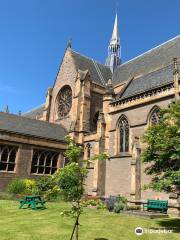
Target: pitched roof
[
  {"x": 158, "y": 57},
  {"x": 150, "y": 81},
  {"x": 99, "y": 73},
  {"x": 33, "y": 113},
  {"x": 30, "y": 127}
]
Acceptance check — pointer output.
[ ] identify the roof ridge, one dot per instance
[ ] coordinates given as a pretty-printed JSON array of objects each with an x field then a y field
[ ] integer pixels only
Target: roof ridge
[{"x": 150, "y": 50}]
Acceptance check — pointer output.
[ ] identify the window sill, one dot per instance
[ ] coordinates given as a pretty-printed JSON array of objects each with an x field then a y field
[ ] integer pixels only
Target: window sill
[
  {"x": 7, "y": 172},
  {"x": 121, "y": 155},
  {"x": 40, "y": 174}
]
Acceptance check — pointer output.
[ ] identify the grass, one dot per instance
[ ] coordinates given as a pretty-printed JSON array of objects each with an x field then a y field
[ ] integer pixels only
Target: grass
[{"x": 26, "y": 224}]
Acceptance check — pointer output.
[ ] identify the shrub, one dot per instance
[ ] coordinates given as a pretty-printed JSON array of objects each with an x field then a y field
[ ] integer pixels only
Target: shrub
[
  {"x": 94, "y": 203},
  {"x": 110, "y": 203},
  {"x": 16, "y": 186},
  {"x": 21, "y": 186},
  {"x": 30, "y": 186},
  {"x": 43, "y": 184},
  {"x": 116, "y": 203},
  {"x": 122, "y": 199},
  {"x": 119, "y": 206},
  {"x": 47, "y": 187},
  {"x": 52, "y": 194}
]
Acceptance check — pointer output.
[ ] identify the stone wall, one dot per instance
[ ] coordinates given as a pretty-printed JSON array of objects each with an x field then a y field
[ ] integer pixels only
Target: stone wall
[
  {"x": 118, "y": 170},
  {"x": 118, "y": 176},
  {"x": 24, "y": 154},
  {"x": 89, "y": 182},
  {"x": 66, "y": 76}
]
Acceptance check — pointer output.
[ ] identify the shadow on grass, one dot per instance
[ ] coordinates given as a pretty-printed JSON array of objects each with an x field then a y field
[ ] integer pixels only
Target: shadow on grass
[
  {"x": 100, "y": 239},
  {"x": 29, "y": 208},
  {"x": 173, "y": 224}
]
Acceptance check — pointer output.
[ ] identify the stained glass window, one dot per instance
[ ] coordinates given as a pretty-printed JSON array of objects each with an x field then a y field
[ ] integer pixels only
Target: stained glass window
[
  {"x": 155, "y": 116},
  {"x": 64, "y": 101},
  {"x": 124, "y": 135}
]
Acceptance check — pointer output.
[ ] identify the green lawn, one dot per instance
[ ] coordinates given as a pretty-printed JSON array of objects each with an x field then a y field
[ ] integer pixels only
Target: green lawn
[{"x": 26, "y": 224}]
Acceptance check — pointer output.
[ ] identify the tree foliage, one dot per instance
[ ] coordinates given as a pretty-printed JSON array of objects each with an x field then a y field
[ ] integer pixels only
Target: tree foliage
[
  {"x": 73, "y": 152},
  {"x": 70, "y": 181},
  {"x": 101, "y": 156},
  {"x": 163, "y": 150}
]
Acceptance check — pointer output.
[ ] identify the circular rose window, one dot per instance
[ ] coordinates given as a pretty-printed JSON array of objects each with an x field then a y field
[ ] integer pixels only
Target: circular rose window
[{"x": 64, "y": 101}]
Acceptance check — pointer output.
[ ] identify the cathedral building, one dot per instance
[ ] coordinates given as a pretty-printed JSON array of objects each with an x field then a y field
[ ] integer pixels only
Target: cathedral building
[{"x": 104, "y": 108}]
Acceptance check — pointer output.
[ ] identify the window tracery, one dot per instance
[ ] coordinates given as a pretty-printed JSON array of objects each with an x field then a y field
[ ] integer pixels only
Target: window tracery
[
  {"x": 64, "y": 101},
  {"x": 44, "y": 162},
  {"x": 155, "y": 116},
  {"x": 7, "y": 158},
  {"x": 124, "y": 134}
]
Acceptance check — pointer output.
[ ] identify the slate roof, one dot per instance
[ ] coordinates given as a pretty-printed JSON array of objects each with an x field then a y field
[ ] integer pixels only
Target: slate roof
[
  {"x": 99, "y": 73},
  {"x": 158, "y": 57},
  {"x": 160, "y": 77},
  {"x": 38, "y": 111},
  {"x": 30, "y": 127}
]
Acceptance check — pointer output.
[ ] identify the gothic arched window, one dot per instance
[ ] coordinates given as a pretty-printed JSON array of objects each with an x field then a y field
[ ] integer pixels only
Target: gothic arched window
[
  {"x": 7, "y": 158},
  {"x": 123, "y": 135},
  {"x": 44, "y": 162},
  {"x": 155, "y": 116}
]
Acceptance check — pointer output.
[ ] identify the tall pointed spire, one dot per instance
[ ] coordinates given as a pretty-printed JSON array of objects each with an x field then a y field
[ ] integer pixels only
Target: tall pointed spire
[
  {"x": 114, "y": 49},
  {"x": 115, "y": 35}
]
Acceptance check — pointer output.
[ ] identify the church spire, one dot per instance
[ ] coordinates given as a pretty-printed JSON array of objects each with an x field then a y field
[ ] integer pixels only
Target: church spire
[
  {"x": 114, "y": 49},
  {"x": 115, "y": 35}
]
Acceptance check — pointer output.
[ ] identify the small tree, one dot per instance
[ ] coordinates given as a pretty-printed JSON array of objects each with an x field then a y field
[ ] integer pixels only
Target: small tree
[
  {"x": 71, "y": 180},
  {"x": 163, "y": 151}
]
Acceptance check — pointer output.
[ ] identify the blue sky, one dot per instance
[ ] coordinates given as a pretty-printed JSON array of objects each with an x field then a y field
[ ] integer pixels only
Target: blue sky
[{"x": 34, "y": 34}]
